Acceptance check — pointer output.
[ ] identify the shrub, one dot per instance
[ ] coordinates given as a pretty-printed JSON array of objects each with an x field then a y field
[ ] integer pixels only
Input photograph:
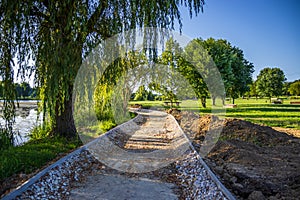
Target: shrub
[
  {"x": 6, "y": 139},
  {"x": 40, "y": 132}
]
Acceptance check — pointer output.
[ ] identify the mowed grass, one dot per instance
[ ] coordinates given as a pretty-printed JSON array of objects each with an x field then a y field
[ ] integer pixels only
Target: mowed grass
[
  {"x": 33, "y": 155},
  {"x": 285, "y": 115},
  {"x": 259, "y": 111}
]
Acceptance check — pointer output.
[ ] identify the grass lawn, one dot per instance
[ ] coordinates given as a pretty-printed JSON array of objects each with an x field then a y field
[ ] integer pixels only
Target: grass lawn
[
  {"x": 259, "y": 111},
  {"x": 33, "y": 155}
]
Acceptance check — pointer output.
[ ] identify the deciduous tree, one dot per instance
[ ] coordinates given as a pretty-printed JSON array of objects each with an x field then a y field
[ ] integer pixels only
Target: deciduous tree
[
  {"x": 294, "y": 88},
  {"x": 235, "y": 70},
  {"x": 270, "y": 82}
]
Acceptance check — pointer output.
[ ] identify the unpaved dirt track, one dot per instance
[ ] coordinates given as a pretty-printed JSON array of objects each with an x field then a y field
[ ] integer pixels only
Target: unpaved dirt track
[
  {"x": 142, "y": 146},
  {"x": 148, "y": 157},
  {"x": 151, "y": 141},
  {"x": 139, "y": 159}
]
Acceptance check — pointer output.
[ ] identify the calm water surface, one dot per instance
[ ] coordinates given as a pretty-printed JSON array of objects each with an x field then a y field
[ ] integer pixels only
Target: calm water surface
[{"x": 25, "y": 121}]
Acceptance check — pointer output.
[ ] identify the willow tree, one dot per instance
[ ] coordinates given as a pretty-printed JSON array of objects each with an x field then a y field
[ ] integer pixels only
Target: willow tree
[{"x": 56, "y": 36}]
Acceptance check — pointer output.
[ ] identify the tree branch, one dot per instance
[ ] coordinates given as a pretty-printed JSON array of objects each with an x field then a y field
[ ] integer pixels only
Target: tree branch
[
  {"x": 35, "y": 12},
  {"x": 96, "y": 15}
]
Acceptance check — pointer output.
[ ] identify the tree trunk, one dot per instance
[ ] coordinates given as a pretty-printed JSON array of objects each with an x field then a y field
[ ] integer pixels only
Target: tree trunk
[
  {"x": 213, "y": 101},
  {"x": 203, "y": 102},
  {"x": 64, "y": 123},
  {"x": 223, "y": 101},
  {"x": 232, "y": 100}
]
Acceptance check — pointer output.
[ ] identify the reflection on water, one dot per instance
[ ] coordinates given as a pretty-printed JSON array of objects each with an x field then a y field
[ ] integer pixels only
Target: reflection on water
[{"x": 25, "y": 122}]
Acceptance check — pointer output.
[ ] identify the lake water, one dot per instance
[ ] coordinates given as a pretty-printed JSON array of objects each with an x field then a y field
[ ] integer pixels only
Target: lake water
[{"x": 25, "y": 121}]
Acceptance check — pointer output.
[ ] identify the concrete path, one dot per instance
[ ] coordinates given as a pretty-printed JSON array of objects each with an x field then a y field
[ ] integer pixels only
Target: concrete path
[
  {"x": 151, "y": 141},
  {"x": 111, "y": 187}
]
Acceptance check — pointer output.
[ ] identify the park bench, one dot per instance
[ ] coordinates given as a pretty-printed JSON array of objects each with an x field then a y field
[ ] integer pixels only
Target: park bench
[
  {"x": 230, "y": 106},
  {"x": 295, "y": 102},
  {"x": 171, "y": 103},
  {"x": 276, "y": 101}
]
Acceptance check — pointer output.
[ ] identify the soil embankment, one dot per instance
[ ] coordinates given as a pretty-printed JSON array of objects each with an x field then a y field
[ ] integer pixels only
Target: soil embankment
[{"x": 253, "y": 161}]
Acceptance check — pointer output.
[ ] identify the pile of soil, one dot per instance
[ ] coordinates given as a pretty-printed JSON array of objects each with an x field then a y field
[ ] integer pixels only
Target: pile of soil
[{"x": 252, "y": 161}]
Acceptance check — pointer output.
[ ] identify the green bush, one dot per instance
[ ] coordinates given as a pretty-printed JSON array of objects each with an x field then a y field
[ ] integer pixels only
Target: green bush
[
  {"x": 5, "y": 140},
  {"x": 40, "y": 132},
  {"x": 106, "y": 125}
]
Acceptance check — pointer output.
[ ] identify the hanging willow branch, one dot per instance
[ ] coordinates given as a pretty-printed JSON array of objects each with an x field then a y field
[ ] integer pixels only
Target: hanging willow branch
[{"x": 57, "y": 35}]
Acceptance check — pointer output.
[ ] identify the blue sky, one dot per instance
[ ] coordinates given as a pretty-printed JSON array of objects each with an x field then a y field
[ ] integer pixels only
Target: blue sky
[{"x": 268, "y": 31}]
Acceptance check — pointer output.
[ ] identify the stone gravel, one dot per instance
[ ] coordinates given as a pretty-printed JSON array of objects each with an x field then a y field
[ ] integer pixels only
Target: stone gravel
[
  {"x": 194, "y": 180},
  {"x": 55, "y": 184}
]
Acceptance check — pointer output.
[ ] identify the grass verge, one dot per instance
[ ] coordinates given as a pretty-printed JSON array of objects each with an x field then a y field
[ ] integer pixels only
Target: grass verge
[
  {"x": 259, "y": 111},
  {"x": 33, "y": 155}
]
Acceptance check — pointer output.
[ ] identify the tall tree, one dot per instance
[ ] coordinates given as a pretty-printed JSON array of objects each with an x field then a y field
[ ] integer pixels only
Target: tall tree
[
  {"x": 294, "y": 88},
  {"x": 57, "y": 35},
  {"x": 141, "y": 94},
  {"x": 242, "y": 70},
  {"x": 235, "y": 70},
  {"x": 195, "y": 69},
  {"x": 23, "y": 90},
  {"x": 270, "y": 82},
  {"x": 220, "y": 52},
  {"x": 253, "y": 91},
  {"x": 185, "y": 67},
  {"x": 285, "y": 89}
]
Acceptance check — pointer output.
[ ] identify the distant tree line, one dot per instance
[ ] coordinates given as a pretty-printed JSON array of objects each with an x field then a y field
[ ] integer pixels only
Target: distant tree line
[
  {"x": 271, "y": 82},
  {"x": 142, "y": 94},
  {"x": 22, "y": 90},
  {"x": 235, "y": 71}
]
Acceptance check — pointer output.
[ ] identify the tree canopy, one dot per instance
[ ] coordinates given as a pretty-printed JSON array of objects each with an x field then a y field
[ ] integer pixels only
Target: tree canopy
[
  {"x": 294, "y": 88},
  {"x": 270, "y": 82},
  {"x": 235, "y": 70},
  {"x": 51, "y": 38}
]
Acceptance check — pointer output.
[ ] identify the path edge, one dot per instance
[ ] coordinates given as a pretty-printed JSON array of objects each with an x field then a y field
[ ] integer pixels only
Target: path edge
[
  {"x": 22, "y": 188},
  {"x": 220, "y": 185}
]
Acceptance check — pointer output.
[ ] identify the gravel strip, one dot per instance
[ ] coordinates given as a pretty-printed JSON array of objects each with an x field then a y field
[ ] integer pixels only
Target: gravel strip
[
  {"x": 195, "y": 180},
  {"x": 55, "y": 184}
]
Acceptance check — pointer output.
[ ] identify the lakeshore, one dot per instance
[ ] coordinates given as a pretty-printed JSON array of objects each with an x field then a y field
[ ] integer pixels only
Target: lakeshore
[{"x": 26, "y": 119}]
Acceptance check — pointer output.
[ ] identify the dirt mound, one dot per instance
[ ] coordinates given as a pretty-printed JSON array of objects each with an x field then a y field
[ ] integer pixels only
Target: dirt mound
[
  {"x": 252, "y": 161},
  {"x": 176, "y": 113},
  {"x": 242, "y": 130}
]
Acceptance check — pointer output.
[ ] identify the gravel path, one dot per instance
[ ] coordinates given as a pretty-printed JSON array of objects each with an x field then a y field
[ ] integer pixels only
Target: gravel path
[{"x": 148, "y": 157}]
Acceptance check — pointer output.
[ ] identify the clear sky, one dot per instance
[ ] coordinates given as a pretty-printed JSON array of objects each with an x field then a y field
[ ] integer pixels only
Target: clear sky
[{"x": 268, "y": 31}]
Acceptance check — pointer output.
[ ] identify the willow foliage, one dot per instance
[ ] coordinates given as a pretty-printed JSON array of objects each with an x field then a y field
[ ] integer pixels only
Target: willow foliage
[{"x": 50, "y": 38}]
